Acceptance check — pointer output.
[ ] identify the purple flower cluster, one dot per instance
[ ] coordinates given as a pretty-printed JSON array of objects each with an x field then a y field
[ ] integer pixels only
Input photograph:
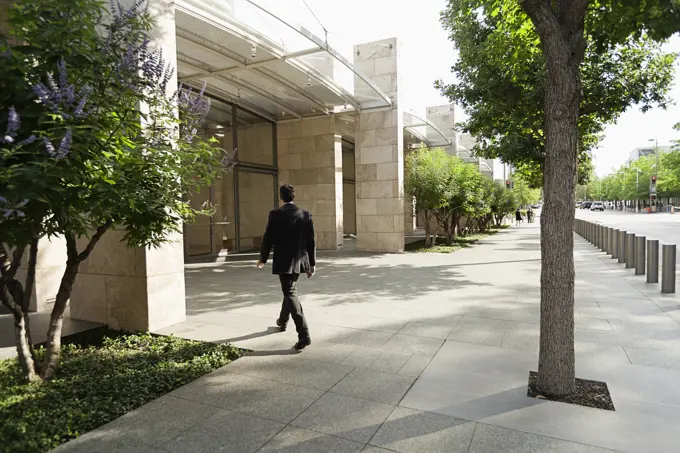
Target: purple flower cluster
[
  {"x": 13, "y": 210},
  {"x": 61, "y": 97},
  {"x": 13, "y": 125},
  {"x": 140, "y": 68},
  {"x": 193, "y": 110},
  {"x": 64, "y": 146}
]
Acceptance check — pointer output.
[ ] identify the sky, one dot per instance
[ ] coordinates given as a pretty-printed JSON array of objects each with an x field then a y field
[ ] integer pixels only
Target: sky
[{"x": 427, "y": 55}]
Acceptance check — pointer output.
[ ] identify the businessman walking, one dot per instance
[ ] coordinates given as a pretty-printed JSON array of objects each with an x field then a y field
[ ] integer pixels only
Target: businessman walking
[{"x": 290, "y": 232}]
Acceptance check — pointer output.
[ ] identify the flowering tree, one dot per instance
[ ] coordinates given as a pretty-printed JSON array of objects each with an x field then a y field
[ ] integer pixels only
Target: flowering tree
[{"x": 95, "y": 138}]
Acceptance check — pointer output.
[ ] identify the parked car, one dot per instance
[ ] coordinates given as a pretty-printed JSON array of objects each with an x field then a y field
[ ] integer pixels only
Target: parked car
[
  {"x": 597, "y": 206},
  {"x": 579, "y": 204},
  {"x": 586, "y": 205}
]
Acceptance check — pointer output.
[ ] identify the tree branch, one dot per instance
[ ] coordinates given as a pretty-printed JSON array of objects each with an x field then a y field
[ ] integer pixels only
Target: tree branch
[
  {"x": 93, "y": 241},
  {"x": 30, "y": 275},
  {"x": 16, "y": 260},
  {"x": 8, "y": 267},
  {"x": 4, "y": 260}
]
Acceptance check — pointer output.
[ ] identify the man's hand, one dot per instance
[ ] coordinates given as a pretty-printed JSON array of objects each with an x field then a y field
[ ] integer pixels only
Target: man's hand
[
  {"x": 260, "y": 264},
  {"x": 311, "y": 272}
]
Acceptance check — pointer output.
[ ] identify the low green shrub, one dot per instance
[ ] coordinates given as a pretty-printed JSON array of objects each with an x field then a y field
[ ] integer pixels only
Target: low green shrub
[{"x": 96, "y": 384}]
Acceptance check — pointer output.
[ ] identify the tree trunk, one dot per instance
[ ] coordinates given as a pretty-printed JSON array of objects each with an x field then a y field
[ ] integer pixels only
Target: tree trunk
[
  {"x": 560, "y": 27},
  {"x": 446, "y": 225},
  {"x": 53, "y": 350},
  {"x": 428, "y": 228},
  {"x": 73, "y": 261},
  {"x": 21, "y": 336},
  {"x": 15, "y": 298},
  {"x": 28, "y": 292}
]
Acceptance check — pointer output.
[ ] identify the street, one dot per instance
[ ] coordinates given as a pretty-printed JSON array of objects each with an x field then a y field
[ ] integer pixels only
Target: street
[{"x": 664, "y": 227}]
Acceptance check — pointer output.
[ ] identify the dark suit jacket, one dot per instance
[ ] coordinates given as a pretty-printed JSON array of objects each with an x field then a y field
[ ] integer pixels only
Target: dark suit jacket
[{"x": 290, "y": 232}]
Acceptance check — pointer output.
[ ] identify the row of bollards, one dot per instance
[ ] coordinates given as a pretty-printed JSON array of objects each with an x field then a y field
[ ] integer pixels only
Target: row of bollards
[{"x": 636, "y": 252}]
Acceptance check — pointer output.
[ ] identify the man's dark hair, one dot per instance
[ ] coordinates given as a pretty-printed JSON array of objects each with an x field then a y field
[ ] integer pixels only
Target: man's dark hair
[{"x": 287, "y": 193}]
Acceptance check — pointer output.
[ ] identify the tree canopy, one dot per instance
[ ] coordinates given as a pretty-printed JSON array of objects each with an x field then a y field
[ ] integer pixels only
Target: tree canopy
[
  {"x": 446, "y": 189},
  {"x": 92, "y": 141},
  {"x": 501, "y": 74}
]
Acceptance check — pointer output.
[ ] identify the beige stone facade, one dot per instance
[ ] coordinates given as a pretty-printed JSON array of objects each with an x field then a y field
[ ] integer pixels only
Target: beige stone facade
[
  {"x": 379, "y": 153},
  {"x": 50, "y": 266},
  {"x": 310, "y": 159},
  {"x": 130, "y": 288},
  {"x": 135, "y": 289}
]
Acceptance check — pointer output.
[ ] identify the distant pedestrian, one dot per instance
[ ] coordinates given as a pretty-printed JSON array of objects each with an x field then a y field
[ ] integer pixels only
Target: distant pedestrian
[
  {"x": 530, "y": 215},
  {"x": 518, "y": 217},
  {"x": 290, "y": 233}
]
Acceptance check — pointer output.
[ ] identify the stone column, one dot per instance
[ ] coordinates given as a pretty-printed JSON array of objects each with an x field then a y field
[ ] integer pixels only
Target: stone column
[
  {"x": 310, "y": 159},
  {"x": 135, "y": 289},
  {"x": 380, "y": 154}
]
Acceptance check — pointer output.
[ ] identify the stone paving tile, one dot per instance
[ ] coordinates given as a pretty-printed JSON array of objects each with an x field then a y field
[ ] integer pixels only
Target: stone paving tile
[
  {"x": 429, "y": 330},
  {"x": 362, "y": 357},
  {"x": 329, "y": 352},
  {"x": 160, "y": 420},
  {"x": 413, "y": 345},
  {"x": 291, "y": 370},
  {"x": 492, "y": 439},
  {"x": 390, "y": 362},
  {"x": 355, "y": 337},
  {"x": 411, "y": 431},
  {"x": 298, "y": 440},
  {"x": 472, "y": 335},
  {"x": 344, "y": 416},
  {"x": 497, "y": 325},
  {"x": 95, "y": 441},
  {"x": 374, "y": 386},
  {"x": 600, "y": 352},
  {"x": 226, "y": 431},
  {"x": 651, "y": 358},
  {"x": 415, "y": 365},
  {"x": 262, "y": 398}
]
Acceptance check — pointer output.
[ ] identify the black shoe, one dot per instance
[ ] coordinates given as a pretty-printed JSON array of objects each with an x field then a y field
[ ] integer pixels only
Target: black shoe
[
  {"x": 302, "y": 344},
  {"x": 281, "y": 325}
]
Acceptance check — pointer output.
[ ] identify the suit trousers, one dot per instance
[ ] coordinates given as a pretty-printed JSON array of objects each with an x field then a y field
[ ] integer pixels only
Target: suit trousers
[{"x": 291, "y": 306}]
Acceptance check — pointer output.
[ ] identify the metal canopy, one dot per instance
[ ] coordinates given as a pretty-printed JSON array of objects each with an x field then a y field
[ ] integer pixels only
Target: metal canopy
[
  {"x": 424, "y": 130},
  {"x": 251, "y": 57}
]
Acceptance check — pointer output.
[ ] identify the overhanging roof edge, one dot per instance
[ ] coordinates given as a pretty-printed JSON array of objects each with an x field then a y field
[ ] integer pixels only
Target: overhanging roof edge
[
  {"x": 426, "y": 122},
  {"x": 325, "y": 46}
]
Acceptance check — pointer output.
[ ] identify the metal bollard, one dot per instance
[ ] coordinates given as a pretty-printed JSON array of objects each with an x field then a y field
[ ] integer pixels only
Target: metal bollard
[
  {"x": 630, "y": 250},
  {"x": 592, "y": 233},
  {"x": 622, "y": 246},
  {"x": 610, "y": 240},
  {"x": 640, "y": 243},
  {"x": 668, "y": 269},
  {"x": 600, "y": 235},
  {"x": 615, "y": 243},
  {"x": 652, "y": 261}
]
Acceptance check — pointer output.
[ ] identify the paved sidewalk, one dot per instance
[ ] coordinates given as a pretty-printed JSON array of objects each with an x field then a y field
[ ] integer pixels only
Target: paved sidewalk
[{"x": 415, "y": 353}]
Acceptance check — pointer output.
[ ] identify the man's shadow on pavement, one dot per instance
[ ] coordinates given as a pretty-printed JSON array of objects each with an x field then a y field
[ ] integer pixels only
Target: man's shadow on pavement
[{"x": 268, "y": 331}]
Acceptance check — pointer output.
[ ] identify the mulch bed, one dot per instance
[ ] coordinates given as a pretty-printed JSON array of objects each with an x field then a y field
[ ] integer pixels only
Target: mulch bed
[{"x": 588, "y": 393}]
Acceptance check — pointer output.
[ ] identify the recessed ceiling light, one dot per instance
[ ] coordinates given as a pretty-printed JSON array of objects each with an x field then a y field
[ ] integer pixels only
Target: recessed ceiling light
[{"x": 253, "y": 51}]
